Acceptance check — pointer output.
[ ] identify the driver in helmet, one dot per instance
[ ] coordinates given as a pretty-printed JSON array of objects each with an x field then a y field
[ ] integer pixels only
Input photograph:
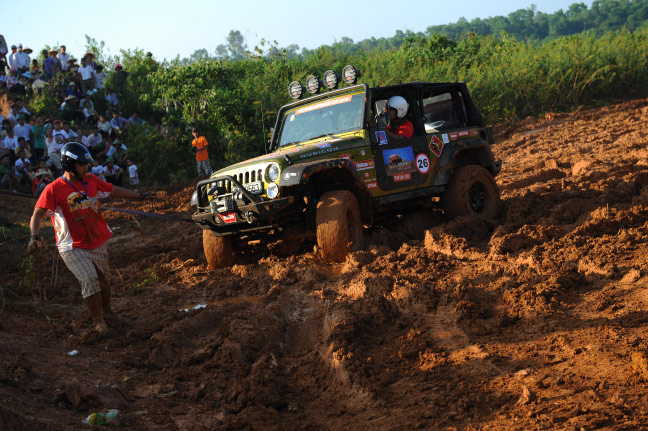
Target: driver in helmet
[
  {"x": 399, "y": 126},
  {"x": 81, "y": 230}
]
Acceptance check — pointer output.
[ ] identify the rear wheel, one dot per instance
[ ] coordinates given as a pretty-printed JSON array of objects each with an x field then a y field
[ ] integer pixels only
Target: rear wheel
[
  {"x": 218, "y": 250},
  {"x": 472, "y": 191},
  {"x": 339, "y": 226}
]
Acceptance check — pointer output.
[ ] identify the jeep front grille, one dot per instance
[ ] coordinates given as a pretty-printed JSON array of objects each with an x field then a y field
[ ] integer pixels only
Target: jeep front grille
[{"x": 243, "y": 178}]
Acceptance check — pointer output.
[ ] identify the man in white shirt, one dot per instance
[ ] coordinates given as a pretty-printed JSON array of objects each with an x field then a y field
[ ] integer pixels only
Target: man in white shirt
[
  {"x": 23, "y": 61},
  {"x": 87, "y": 76},
  {"x": 63, "y": 57},
  {"x": 111, "y": 97},
  {"x": 13, "y": 57},
  {"x": 58, "y": 133},
  {"x": 100, "y": 77},
  {"x": 22, "y": 129}
]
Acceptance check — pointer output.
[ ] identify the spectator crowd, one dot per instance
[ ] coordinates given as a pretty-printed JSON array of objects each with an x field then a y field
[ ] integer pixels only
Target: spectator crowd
[{"x": 30, "y": 144}]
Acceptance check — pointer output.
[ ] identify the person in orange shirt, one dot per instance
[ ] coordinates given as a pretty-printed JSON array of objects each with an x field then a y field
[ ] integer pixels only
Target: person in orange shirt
[{"x": 199, "y": 146}]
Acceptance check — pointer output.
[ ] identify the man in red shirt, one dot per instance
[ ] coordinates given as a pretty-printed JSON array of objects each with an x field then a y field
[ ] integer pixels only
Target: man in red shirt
[
  {"x": 399, "y": 127},
  {"x": 81, "y": 230}
]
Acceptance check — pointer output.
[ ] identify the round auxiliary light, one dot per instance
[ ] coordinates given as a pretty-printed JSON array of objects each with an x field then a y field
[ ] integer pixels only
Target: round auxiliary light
[
  {"x": 350, "y": 74},
  {"x": 331, "y": 79},
  {"x": 272, "y": 172},
  {"x": 273, "y": 190},
  {"x": 296, "y": 90},
  {"x": 313, "y": 84}
]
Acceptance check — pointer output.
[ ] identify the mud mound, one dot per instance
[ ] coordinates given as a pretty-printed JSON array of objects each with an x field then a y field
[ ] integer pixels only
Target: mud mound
[{"x": 537, "y": 322}]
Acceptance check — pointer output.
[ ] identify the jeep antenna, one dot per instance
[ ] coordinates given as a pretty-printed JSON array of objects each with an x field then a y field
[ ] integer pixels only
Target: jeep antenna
[{"x": 265, "y": 146}]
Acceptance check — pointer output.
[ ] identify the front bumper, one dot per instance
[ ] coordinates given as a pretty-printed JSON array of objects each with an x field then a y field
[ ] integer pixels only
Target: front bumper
[{"x": 253, "y": 213}]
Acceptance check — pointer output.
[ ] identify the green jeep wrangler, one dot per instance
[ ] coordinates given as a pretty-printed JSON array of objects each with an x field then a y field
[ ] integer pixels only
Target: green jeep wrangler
[{"x": 333, "y": 166}]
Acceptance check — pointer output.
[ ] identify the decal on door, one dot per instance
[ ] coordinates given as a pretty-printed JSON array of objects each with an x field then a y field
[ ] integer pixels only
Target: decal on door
[
  {"x": 423, "y": 163},
  {"x": 399, "y": 163}
]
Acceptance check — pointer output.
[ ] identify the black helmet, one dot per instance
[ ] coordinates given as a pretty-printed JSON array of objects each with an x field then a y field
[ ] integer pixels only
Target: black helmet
[{"x": 72, "y": 153}]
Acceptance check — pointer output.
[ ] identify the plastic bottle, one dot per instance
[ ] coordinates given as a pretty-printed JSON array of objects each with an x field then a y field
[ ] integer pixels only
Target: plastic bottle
[{"x": 108, "y": 418}]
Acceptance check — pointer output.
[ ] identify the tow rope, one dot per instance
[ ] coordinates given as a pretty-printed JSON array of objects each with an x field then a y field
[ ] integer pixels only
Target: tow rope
[
  {"x": 135, "y": 212},
  {"x": 148, "y": 214}
]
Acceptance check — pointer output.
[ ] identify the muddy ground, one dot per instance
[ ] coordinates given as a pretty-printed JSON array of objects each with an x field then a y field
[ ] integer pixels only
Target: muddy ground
[{"x": 535, "y": 323}]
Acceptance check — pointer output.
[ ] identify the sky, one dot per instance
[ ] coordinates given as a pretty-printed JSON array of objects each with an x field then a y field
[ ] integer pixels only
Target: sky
[{"x": 179, "y": 27}]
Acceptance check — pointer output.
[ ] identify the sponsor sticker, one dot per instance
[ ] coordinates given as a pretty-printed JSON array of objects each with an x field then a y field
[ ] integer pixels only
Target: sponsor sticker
[
  {"x": 463, "y": 133},
  {"x": 346, "y": 156},
  {"x": 423, "y": 163},
  {"x": 454, "y": 135},
  {"x": 445, "y": 139},
  {"x": 287, "y": 175},
  {"x": 381, "y": 137},
  {"x": 366, "y": 174},
  {"x": 402, "y": 177},
  {"x": 399, "y": 161},
  {"x": 372, "y": 185},
  {"x": 364, "y": 164},
  {"x": 324, "y": 104},
  {"x": 228, "y": 218},
  {"x": 436, "y": 146},
  {"x": 323, "y": 145}
]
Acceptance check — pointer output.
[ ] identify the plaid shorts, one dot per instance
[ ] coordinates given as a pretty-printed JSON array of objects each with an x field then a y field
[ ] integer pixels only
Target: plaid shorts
[
  {"x": 205, "y": 167},
  {"x": 88, "y": 266}
]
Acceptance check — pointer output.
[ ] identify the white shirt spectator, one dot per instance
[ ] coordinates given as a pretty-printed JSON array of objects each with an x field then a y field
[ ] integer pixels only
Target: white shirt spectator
[
  {"x": 112, "y": 150},
  {"x": 92, "y": 140},
  {"x": 100, "y": 78},
  {"x": 63, "y": 58},
  {"x": 88, "y": 112},
  {"x": 22, "y": 131},
  {"x": 20, "y": 163},
  {"x": 98, "y": 171},
  {"x": 53, "y": 146},
  {"x": 60, "y": 133},
  {"x": 86, "y": 72},
  {"x": 11, "y": 143},
  {"x": 23, "y": 59},
  {"x": 72, "y": 134},
  {"x": 132, "y": 173},
  {"x": 112, "y": 98},
  {"x": 13, "y": 59},
  {"x": 82, "y": 103}
]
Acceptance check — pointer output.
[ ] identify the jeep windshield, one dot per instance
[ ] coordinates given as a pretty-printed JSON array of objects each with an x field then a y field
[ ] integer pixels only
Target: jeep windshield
[{"x": 325, "y": 117}]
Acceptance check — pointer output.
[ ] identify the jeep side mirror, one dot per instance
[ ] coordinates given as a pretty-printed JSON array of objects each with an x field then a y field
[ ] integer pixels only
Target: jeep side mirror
[{"x": 382, "y": 114}]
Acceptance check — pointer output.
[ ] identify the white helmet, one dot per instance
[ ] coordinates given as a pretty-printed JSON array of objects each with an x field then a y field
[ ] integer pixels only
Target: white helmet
[{"x": 399, "y": 104}]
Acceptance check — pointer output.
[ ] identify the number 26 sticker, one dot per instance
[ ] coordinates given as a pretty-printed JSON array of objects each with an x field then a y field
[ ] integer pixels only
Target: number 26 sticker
[{"x": 422, "y": 163}]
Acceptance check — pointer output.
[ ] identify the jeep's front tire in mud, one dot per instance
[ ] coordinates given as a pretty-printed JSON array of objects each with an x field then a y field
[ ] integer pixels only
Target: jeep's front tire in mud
[
  {"x": 472, "y": 191},
  {"x": 339, "y": 226},
  {"x": 218, "y": 250}
]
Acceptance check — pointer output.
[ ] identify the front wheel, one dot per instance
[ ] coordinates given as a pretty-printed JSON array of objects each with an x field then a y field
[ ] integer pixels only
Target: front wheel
[
  {"x": 472, "y": 191},
  {"x": 339, "y": 226},
  {"x": 218, "y": 250}
]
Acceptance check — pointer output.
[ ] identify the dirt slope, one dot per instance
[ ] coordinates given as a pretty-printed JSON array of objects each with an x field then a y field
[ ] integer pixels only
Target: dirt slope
[{"x": 536, "y": 323}]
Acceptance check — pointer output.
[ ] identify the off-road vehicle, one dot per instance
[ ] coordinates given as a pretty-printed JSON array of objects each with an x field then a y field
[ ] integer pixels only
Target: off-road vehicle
[{"x": 331, "y": 168}]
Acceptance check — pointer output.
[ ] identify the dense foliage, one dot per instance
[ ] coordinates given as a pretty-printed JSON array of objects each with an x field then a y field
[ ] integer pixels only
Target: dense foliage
[{"x": 234, "y": 101}]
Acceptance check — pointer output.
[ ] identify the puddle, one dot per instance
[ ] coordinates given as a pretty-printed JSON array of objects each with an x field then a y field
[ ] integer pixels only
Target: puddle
[{"x": 235, "y": 300}]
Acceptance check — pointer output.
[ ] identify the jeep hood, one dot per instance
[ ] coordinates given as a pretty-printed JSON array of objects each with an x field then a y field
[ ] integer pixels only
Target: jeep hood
[{"x": 300, "y": 152}]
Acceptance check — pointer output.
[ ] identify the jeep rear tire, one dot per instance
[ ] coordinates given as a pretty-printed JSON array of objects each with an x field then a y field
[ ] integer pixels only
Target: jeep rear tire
[
  {"x": 472, "y": 191},
  {"x": 218, "y": 250},
  {"x": 339, "y": 226}
]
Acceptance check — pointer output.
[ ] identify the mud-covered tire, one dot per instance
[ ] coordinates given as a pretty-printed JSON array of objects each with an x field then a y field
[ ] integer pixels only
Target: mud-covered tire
[
  {"x": 339, "y": 226},
  {"x": 218, "y": 250},
  {"x": 472, "y": 191}
]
